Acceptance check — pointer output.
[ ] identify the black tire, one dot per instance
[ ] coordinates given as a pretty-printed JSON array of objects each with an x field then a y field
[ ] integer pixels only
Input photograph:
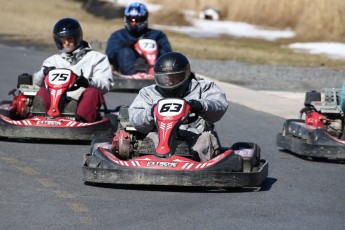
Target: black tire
[
  {"x": 5, "y": 102},
  {"x": 99, "y": 140},
  {"x": 287, "y": 124},
  {"x": 5, "y": 112},
  {"x": 113, "y": 120},
  {"x": 123, "y": 117},
  {"x": 257, "y": 152}
]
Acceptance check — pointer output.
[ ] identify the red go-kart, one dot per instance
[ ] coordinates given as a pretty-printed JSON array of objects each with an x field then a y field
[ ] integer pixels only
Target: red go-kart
[
  {"x": 128, "y": 158},
  {"x": 319, "y": 132},
  {"x": 25, "y": 117},
  {"x": 148, "y": 51}
]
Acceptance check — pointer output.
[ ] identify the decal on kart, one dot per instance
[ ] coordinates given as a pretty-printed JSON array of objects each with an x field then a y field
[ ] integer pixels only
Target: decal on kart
[
  {"x": 54, "y": 123},
  {"x": 59, "y": 77},
  {"x": 173, "y": 164},
  {"x": 170, "y": 108},
  {"x": 46, "y": 123},
  {"x": 161, "y": 164}
]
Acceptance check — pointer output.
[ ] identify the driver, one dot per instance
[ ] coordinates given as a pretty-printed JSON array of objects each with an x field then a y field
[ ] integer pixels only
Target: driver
[
  {"x": 174, "y": 78},
  {"x": 120, "y": 46},
  {"x": 92, "y": 67}
]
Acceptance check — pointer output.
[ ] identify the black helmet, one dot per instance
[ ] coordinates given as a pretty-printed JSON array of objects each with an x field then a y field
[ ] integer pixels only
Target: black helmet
[
  {"x": 67, "y": 27},
  {"x": 136, "y": 13},
  {"x": 172, "y": 74}
]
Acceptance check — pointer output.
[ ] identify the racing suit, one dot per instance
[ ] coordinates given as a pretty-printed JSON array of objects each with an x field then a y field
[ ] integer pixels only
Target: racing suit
[
  {"x": 94, "y": 66},
  {"x": 200, "y": 135},
  {"x": 120, "y": 48}
]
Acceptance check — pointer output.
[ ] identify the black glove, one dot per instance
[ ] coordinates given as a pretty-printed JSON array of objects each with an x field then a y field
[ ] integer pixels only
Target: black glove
[
  {"x": 195, "y": 106},
  {"x": 46, "y": 69},
  {"x": 128, "y": 44},
  {"x": 82, "y": 81},
  {"x": 152, "y": 111}
]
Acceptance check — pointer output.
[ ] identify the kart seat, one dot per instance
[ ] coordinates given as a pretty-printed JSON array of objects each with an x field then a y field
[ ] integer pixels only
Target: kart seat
[{"x": 38, "y": 107}]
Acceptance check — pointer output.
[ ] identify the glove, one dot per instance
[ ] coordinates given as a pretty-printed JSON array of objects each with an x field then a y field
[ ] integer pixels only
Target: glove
[
  {"x": 195, "y": 106},
  {"x": 152, "y": 111},
  {"x": 128, "y": 44},
  {"x": 46, "y": 69},
  {"x": 75, "y": 94},
  {"x": 82, "y": 81}
]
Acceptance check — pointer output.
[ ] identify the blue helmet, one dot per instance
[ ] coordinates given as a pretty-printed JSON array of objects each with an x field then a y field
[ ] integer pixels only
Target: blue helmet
[{"x": 136, "y": 16}]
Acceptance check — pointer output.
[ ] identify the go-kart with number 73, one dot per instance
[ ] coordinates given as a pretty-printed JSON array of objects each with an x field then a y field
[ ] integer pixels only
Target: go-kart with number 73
[{"x": 148, "y": 51}]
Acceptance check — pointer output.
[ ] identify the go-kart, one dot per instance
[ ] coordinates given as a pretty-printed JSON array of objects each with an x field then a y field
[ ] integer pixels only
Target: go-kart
[
  {"x": 318, "y": 133},
  {"x": 130, "y": 158},
  {"x": 147, "y": 49},
  {"x": 25, "y": 117}
]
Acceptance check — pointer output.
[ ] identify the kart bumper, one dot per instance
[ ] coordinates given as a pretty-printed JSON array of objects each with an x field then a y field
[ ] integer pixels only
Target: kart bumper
[
  {"x": 87, "y": 133},
  {"x": 107, "y": 172},
  {"x": 130, "y": 84},
  {"x": 332, "y": 150}
]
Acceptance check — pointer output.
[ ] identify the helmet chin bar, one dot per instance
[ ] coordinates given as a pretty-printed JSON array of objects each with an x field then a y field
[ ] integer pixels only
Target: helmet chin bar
[{"x": 136, "y": 29}]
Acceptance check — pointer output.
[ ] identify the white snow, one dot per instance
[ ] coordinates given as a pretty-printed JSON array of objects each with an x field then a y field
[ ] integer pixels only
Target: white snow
[{"x": 208, "y": 28}]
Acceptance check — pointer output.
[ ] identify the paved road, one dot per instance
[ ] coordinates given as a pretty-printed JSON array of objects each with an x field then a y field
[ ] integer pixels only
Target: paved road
[{"x": 41, "y": 186}]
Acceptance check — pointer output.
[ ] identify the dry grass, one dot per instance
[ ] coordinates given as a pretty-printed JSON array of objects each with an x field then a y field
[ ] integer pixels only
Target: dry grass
[
  {"x": 312, "y": 19},
  {"x": 31, "y": 21}
]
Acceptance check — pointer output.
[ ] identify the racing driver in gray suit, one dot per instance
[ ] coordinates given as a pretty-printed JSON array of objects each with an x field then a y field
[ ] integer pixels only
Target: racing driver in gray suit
[
  {"x": 92, "y": 67},
  {"x": 174, "y": 79}
]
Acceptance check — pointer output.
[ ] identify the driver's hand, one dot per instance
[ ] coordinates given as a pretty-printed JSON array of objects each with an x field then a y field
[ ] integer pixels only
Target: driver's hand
[
  {"x": 82, "y": 82},
  {"x": 195, "y": 106},
  {"x": 46, "y": 69},
  {"x": 75, "y": 94}
]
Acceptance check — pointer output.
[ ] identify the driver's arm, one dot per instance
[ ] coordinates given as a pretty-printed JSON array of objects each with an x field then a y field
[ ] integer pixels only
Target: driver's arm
[
  {"x": 140, "y": 112},
  {"x": 214, "y": 102}
]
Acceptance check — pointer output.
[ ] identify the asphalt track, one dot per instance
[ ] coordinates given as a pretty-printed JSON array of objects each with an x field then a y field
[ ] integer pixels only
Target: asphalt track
[{"x": 41, "y": 186}]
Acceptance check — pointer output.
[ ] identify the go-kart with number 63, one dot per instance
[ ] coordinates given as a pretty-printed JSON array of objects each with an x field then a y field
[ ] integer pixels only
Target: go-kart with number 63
[{"x": 128, "y": 158}]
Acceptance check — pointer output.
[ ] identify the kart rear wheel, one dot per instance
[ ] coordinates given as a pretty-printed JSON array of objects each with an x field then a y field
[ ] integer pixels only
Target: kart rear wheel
[{"x": 112, "y": 118}]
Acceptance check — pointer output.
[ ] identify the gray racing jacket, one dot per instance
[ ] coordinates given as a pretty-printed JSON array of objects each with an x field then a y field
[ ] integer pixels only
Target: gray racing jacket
[
  {"x": 95, "y": 67},
  {"x": 211, "y": 97}
]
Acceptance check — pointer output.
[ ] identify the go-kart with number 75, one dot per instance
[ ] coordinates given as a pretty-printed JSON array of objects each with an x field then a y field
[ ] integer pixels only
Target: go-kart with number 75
[
  {"x": 128, "y": 158},
  {"x": 25, "y": 117}
]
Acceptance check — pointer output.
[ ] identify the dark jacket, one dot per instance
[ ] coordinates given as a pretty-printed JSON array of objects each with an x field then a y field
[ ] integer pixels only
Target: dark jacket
[{"x": 118, "y": 39}]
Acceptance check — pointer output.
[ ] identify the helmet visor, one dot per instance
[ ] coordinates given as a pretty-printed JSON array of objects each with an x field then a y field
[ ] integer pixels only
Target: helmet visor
[
  {"x": 170, "y": 81},
  {"x": 135, "y": 19}
]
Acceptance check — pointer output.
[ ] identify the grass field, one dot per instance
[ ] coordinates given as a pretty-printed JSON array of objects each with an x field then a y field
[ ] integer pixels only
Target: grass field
[
  {"x": 311, "y": 19},
  {"x": 31, "y": 22}
]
